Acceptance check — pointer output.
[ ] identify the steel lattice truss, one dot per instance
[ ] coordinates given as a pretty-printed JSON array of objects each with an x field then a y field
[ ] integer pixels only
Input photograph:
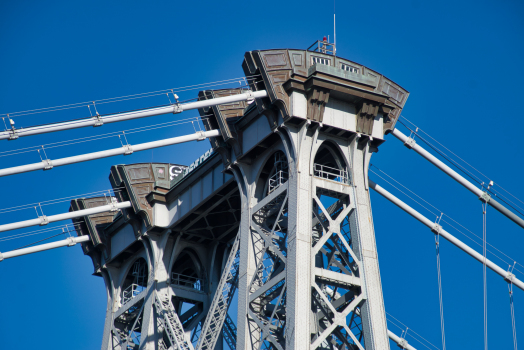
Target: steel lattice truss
[
  {"x": 218, "y": 311},
  {"x": 267, "y": 318},
  {"x": 336, "y": 293}
]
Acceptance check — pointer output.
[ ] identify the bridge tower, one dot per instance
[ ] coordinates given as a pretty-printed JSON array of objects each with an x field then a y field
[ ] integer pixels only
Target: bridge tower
[{"x": 278, "y": 212}]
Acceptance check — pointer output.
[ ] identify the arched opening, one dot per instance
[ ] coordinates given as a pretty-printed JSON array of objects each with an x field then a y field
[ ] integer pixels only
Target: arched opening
[
  {"x": 187, "y": 271},
  {"x": 135, "y": 281},
  {"x": 329, "y": 164},
  {"x": 274, "y": 174}
]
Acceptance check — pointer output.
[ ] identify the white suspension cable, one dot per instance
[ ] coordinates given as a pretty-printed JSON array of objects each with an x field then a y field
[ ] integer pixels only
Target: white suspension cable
[
  {"x": 452, "y": 239},
  {"x": 486, "y": 178},
  {"x": 118, "y": 117},
  {"x": 417, "y": 337},
  {"x": 443, "y": 215},
  {"x": 485, "y": 283},
  {"x": 110, "y": 192},
  {"x": 127, "y": 149},
  {"x": 401, "y": 342},
  {"x": 44, "y": 220},
  {"x": 98, "y": 137},
  {"x": 71, "y": 241},
  {"x": 127, "y": 97},
  {"x": 32, "y": 233},
  {"x": 484, "y": 196},
  {"x": 480, "y": 182}
]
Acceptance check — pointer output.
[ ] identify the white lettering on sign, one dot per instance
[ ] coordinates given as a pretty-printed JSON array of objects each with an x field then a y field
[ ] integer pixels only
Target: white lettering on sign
[{"x": 175, "y": 171}]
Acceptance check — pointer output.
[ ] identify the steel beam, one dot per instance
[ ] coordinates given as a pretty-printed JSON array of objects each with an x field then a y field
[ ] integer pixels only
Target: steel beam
[
  {"x": 44, "y": 220},
  {"x": 71, "y": 241},
  {"x": 483, "y": 196},
  {"x": 437, "y": 229},
  {"x": 48, "y": 164},
  {"x": 118, "y": 117}
]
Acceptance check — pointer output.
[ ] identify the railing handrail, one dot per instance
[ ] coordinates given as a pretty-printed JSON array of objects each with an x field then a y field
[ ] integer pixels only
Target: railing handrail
[
  {"x": 321, "y": 170},
  {"x": 129, "y": 292}
]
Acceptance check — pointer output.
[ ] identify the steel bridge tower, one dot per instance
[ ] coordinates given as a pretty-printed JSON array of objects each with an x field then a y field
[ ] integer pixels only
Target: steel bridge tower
[{"x": 277, "y": 212}]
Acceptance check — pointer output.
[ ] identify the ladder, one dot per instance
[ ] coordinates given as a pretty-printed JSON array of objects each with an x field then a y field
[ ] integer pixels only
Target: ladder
[
  {"x": 218, "y": 311},
  {"x": 172, "y": 325}
]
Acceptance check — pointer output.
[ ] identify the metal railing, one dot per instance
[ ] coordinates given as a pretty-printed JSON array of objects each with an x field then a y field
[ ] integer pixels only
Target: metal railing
[
  {"x": 276, "y": 180},
  {"x": 132, "y": 291},
  {"x": 187, "y": 281},
  {"x": 329, "y": 173},
  {"x": 323, "y": 46}
]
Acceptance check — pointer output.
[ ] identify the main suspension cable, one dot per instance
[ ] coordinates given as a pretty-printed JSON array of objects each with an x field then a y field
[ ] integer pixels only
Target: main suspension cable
[
  {"x": 423, "y": 341},
  {"x": 128, "y": 97},
  {"x": 439, "y": 212},
  {"x": 32, "y": 233},
  {"x": 466, "y": 172},
  {"x": 484, "y": 271},
  {"x": 101, "y": 136},
  {"x": 110, "y": 192}
]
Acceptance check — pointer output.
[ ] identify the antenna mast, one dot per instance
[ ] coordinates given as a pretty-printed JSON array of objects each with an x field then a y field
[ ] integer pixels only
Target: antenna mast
[{"x": 334, "y": 28}]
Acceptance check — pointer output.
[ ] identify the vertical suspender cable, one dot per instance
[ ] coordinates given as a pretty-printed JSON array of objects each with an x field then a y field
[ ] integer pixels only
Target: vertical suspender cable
[
  {"x": 484, "y": 251},
  {"x": 441, "y": 304},
  {"x": 513, "y": 326}
]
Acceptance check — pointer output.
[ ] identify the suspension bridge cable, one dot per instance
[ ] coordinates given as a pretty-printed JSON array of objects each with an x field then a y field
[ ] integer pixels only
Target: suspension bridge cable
[
  {"x": 513, "y": 326},
  {"x": 32, "y": 233},
  {"x": 102, "y": 136},
  {"x": 99, "y": 120},
  {"x": 481, "y": 183},
  {"x": 441, "y": 303},
  {"x": 447, "y": 149},
  {"x": 423, "y": 341},
  {"x": 439, "y": 212},
  {"x": 124, "y": 98},
  {"x": 487, "y": 179},
  {"x": 485, "y": 284},
  {"x": 42, "y": 240},
  {"x": 59, "y": 200},
  {"x": 444, "y": 214}
]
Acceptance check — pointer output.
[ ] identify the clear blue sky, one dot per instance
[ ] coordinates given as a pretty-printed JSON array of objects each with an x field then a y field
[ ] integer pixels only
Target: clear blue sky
[{"x": 460, "y": 60}]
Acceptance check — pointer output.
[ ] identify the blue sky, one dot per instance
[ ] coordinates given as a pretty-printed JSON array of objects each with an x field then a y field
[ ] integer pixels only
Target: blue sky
[{"x": 460, "y": 60}]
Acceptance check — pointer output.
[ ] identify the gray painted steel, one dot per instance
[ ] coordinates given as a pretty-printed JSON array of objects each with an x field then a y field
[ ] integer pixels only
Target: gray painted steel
[
  {"x": 483, "y": 196},
  {"x": 289, "y": 174}
]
